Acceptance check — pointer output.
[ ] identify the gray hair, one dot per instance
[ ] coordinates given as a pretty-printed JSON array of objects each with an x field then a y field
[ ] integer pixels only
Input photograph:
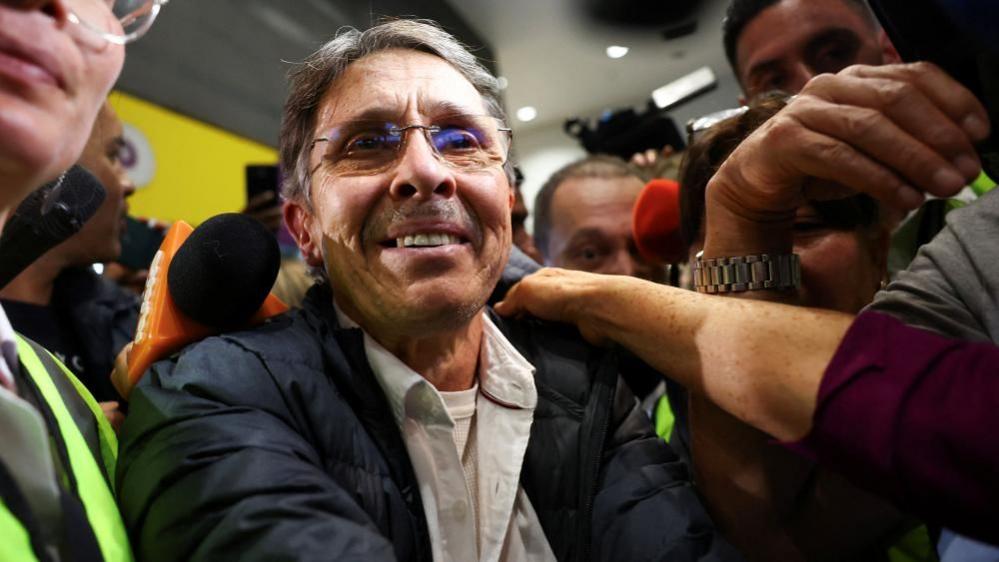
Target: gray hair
[{"x": 310, "y": 80}]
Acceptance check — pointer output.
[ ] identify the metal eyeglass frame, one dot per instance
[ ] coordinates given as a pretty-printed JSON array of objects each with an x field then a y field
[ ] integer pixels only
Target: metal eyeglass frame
[
  {"x": 427, "y": 130},
  {"x": 121, "y": 39}
]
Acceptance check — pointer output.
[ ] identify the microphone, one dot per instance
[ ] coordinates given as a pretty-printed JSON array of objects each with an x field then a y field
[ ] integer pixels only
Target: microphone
[
  {"x": 656, "y": 222},
  {"x": 203, "y": 282},
  {"x": 47, "y": 217}
]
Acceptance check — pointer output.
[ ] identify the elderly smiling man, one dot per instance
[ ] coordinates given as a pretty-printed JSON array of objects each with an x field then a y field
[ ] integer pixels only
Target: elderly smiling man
[{"x": 395, "y": 417}]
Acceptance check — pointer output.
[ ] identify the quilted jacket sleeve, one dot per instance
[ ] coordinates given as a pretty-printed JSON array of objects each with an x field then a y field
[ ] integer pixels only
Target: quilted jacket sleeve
[{"x": 215, "y": 464}]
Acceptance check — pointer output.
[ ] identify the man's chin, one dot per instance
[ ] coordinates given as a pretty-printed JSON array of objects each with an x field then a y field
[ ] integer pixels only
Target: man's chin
[
  {"x": 447, "y": 307},
  {"x": 422, "y": 313}
]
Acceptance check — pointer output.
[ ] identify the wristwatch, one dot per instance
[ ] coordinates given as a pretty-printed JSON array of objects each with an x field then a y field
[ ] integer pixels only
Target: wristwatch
[{"x": 746, "y": 273}]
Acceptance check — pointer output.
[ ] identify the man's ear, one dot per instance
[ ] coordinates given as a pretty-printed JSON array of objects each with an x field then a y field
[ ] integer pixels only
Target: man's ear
[
  {"x": 888, "y": 52},
  {"x": 300, "y": 223}
]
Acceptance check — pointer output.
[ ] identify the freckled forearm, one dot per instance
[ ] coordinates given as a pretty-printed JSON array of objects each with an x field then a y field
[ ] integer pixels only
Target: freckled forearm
[{"x": 761, "y": 362}]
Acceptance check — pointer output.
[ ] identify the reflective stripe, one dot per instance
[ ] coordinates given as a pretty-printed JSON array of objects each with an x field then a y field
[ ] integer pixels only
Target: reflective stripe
[
  {"x": 915, "y": 546},
  {"x": 16, "y": 543},
  {"x": 86, "y": 412},
  {"x": 664, "y": 418},
  {"x": 83, "y": 418},
  {"x": 92, "y": 488},
  {"x": 983, "y": 185}
]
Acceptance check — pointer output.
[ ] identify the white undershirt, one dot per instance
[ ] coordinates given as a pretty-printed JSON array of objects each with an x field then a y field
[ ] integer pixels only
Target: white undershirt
[
  {"x": 461, "y": 407},
  {"x": 496, "y": 522}
]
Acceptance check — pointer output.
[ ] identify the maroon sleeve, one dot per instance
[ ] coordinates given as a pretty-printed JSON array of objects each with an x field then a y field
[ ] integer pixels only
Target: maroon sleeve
[{"x": 914, "y": 416}]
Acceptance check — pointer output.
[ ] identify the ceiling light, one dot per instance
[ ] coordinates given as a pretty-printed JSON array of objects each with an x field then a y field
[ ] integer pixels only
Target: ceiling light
[
  {"x": 527, "y": 113},
  {"x": 616, "y": 51},
  {"x": 684, "y": 88}
]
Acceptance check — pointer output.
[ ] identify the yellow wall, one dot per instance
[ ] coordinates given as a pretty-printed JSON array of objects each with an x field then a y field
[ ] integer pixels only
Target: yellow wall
[{"x": 199, "y": 168}]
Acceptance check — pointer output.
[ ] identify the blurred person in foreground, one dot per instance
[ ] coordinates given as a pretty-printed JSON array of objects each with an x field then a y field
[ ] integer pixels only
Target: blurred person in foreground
[
  {"x": 58, "y": 61},
  {"x": 59, "y": 301},
  {"x": 773, "y": 504},
  {"x": 394, "y": 416},
  {"x": 582, "y": 218},
  {"x": 902, "y": 412}
]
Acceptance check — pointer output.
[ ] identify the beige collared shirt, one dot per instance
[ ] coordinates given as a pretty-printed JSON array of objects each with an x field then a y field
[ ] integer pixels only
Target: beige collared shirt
[{"x": 497, "y": 522}]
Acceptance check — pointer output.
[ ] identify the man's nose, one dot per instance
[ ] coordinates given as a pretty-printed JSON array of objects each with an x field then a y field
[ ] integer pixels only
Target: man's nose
[
  {"x": 127, "y": 187},
  {"x": 420, "y": 172}
]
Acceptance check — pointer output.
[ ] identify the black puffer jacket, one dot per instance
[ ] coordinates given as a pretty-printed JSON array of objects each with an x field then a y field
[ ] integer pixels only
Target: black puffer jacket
[
  {"x": 278, "y": 444},
  {"x": 102, "y": 318}
]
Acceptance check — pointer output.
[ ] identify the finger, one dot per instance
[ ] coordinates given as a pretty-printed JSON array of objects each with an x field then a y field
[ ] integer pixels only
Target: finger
[
  {"x": 879, "y": 138},
  {"x": 829, "y": 158},
  {"x": 508, "y": 306},
  {"x": 117, "y": 419},
  {"x": 112, "y": 414},
  {"x": 522, "y": 298},
  {"x": 946, "y": 93},
  {"x": 119, "y": 373},
  {"x": 910, "y": 109}
]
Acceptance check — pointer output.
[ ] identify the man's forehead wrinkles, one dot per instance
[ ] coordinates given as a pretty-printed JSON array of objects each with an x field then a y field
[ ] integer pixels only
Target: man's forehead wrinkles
[
  {"x": 831, "y": 35},
  {"x": 398, "y": 108},
  {"x": 382, "y": 94}
]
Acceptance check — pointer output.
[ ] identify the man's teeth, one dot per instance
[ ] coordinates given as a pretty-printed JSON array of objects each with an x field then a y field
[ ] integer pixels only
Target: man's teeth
[{"x": 425, "y": 240}]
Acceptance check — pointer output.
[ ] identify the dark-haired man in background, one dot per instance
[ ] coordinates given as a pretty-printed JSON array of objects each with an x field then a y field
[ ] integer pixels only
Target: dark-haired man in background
[
  {"x": 59, "y": 301},
  {"x": 522, "y": 239},
  {"x": 782, "y": 44}
]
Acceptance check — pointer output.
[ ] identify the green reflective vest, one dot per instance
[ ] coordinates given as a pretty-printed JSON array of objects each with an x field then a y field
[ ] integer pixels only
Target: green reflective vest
[{"x": 72, "y": 408}]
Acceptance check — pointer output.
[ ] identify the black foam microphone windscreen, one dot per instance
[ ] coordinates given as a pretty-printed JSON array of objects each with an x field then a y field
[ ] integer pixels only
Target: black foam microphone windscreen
[
  {"x": 223, "y": 272},
  {"x": 47, "y": 217}
]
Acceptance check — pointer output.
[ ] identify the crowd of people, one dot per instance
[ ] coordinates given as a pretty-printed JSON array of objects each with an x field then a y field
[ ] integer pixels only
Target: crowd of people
[{"x": 453, "y": 387}]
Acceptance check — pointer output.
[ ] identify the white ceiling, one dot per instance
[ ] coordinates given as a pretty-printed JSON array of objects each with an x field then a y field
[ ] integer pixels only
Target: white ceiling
[
  {"x": 554, "y": 58},
  {"x": 222, "y": 61}
]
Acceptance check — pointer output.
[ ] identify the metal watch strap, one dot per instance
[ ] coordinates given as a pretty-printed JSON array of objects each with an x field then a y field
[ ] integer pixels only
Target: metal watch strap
[{"x": 747, "y": 273}]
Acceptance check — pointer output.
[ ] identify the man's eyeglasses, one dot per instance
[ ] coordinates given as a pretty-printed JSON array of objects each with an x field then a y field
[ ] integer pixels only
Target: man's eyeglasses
[
  {"x": 368, "y": 147},
  {"x": 135, "y": 17}
]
